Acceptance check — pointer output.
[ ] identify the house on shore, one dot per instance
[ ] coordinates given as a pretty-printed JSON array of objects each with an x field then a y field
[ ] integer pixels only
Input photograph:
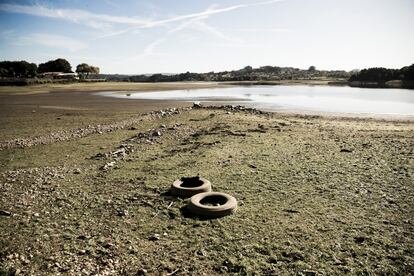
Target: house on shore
[{"x": 61, "y": 75}]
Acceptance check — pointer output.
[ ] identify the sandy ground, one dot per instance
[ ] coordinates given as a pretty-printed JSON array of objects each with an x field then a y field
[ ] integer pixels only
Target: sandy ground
[{"x": 317, "y": 195}]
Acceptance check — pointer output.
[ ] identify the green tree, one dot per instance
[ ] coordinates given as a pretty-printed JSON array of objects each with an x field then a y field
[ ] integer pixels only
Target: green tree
[
  {"x": 312, "y": 68},
  {"x": 57, "y": 65},
  {"x": 4, "y": 72},
  {"x": 85, "y": 69},
  {"x": 18, "y": 69}
]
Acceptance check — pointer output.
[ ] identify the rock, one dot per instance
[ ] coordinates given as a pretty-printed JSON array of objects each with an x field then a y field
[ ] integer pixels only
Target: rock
[
  {"x": 359, "y": 240},
  {"x": 77, "y": 171},
  {"x": 5, "y": 213},
  {"x": 294, "y": 256},
  {"x": 197, "y": 105},
  {"x": 107, "y": 245},
  {"x": 308, "y": 273},
  {"x": 132, "y": 128},
  {"x": 346, "y": 150},
  {"x": 120, "y": 152},
  {"x": 142, "y": 272},
  {"x": 154, "y": 237},
  {"x": 108, "y": 165},
  {"x": 156, "y": 133},
  {"x": 122, "y": 213}
]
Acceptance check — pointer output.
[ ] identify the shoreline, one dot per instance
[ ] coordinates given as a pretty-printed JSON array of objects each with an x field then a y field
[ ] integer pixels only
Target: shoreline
[
  {"x": 21, "y": 112},
  {"x": 84, "y": 131},
  {"x": 245, "y": 102},
  {"x": 147, "y": 86}
]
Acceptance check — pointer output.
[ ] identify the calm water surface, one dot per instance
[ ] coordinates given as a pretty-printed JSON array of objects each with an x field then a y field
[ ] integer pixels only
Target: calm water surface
[{"x": 329, "y": 99}]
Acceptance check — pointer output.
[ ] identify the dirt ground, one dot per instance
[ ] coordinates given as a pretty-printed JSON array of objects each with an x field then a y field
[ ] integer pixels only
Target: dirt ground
[{"x": 84, "y": 190}]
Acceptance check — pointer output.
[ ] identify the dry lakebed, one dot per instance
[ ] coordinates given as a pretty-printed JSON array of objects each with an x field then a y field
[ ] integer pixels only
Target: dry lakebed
[{"x": 84, "y": 185}]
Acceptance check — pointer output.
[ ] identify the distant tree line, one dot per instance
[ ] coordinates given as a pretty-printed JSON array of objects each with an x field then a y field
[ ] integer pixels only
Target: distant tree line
[
  {"x": 248, "y": 73},
  {"x": 24, "y": 69},
  {"x": 17, "y": 69},
  {"x": 382, "y": 75}
]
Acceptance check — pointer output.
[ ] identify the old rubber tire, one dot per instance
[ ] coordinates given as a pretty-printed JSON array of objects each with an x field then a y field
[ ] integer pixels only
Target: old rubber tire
[
  {"x": 226, "y": 204},
  {"x": 189, "y": 186}
]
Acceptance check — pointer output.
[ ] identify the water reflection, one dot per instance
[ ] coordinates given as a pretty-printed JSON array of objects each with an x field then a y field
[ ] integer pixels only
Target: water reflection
[{"x": 301, "y": 98}]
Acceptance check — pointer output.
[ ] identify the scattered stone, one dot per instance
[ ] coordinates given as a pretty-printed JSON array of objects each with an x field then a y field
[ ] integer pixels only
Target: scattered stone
[
  {"x": 83, "y": 237},
  {"x": 156, "y": 133},
  {"x": 142, "y": 272},
  {"x": 294, "y": 256},
  {"x": 291, "y": 211},
  {"x": 132, "y": 128},
  {"x": 5, "y": 213},
  {"x": 107, "y": 245},
  {"x": 108, "y": 165},
  {"x": 308, "y": 273},
  {"x": 122, "y": 213},
  {"x": 119, "y": 153},
  {"x": 154, "y": 237},
  {"x": 359, "y": 240},
  {"x": 337, "y": 261},
  {"x": 197, "y": 105}
]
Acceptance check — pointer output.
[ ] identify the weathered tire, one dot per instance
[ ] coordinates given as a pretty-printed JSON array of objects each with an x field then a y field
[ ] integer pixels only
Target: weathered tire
[
  {"x": 226, "y": 204},
  {"x": 189, "y": 186}
]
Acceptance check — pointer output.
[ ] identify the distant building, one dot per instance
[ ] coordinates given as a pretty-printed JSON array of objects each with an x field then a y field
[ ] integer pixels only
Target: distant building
[{"x": 61, "y": 75}]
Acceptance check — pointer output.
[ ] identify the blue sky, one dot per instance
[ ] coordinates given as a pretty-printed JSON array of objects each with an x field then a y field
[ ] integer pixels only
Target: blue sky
[{"x": 143, "y": 36}]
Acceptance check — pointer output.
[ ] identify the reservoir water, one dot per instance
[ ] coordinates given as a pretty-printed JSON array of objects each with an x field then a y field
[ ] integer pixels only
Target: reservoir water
[{"x": 306, "y": 99}]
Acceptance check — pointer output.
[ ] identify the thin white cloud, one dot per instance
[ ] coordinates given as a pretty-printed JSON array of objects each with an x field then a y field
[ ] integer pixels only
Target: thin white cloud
[
  {"x": 52, "y": 41},
  {"x": 196, "y": 24},
  {"x": 204, "y": 14},
  {"x": 104, "y": 21},
  {"x": 149, "y": 50},
  {"x": 194, "y": 21},
  {"x": 267, "y": 30},
  {"x": 200, "y": 25},
  {"x": 94, "y": 20}
]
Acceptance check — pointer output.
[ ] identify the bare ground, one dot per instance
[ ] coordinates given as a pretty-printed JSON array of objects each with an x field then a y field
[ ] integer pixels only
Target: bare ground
[{"x": 316, "y": 196}]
